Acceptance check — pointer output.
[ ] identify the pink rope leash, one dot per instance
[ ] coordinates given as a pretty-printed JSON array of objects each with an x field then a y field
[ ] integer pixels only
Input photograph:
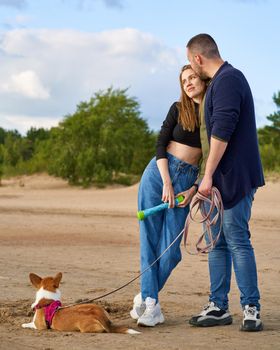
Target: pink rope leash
[{"x": 208, "y": 219}]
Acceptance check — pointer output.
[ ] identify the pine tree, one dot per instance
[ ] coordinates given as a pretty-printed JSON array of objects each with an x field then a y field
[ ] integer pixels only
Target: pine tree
[
  {"x": 270, "y": 134},
  {"x": 269, "y": 139}
]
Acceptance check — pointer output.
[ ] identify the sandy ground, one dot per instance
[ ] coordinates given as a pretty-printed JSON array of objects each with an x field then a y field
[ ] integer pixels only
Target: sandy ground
[{"x": 91, "y": 236}]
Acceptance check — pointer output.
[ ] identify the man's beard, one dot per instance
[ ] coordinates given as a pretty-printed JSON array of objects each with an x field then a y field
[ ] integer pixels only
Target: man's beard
[{"x": 198, "y": 70}]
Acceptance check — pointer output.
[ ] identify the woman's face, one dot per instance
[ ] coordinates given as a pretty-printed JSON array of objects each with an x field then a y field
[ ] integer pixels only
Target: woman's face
[{"x": 192, "y": 84}]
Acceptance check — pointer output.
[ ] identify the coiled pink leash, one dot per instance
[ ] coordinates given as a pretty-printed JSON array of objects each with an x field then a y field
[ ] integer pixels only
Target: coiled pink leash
[{"x": 199, "y": 202}]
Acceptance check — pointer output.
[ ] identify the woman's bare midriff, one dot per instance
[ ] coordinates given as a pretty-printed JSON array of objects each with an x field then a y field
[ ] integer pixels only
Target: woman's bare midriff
[{"x": 185, "y": 153}]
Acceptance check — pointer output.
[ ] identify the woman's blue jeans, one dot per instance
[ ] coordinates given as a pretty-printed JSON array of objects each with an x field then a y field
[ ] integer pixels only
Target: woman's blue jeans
[
  {"x": 234, "y": 246},
  {"x": 159, "y": 230}
]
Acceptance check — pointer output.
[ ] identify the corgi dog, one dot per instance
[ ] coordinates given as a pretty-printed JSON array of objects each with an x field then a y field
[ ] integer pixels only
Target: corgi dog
[{"x": 86, "y": 318}]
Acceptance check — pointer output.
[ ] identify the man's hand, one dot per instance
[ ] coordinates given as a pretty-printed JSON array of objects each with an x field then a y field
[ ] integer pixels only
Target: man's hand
[
  {"x": 206, "y": 186},
  {"x": 217, "y": 149}
]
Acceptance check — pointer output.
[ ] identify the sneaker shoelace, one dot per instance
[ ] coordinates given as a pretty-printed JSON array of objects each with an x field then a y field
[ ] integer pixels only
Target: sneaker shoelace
[
  {"x": 251, "y": 311},
  {"x": 207, "y": 306},
  {"x": 149, "y": 309}
]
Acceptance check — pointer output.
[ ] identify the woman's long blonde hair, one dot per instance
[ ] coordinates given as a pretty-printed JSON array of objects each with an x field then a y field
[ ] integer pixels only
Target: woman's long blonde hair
[{"x": 187, "y": 116}]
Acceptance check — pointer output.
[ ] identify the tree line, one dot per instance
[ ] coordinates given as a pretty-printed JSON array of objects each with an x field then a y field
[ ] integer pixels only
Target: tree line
[
  {"x": 269, "y": 139},
  {"x": 105, "y": 141}
]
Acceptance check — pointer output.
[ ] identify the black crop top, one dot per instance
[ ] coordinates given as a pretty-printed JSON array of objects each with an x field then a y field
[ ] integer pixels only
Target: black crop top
[{"x": 172, "y": 130}]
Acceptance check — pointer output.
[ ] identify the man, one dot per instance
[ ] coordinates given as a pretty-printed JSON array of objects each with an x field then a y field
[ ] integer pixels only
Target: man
[{"x": 234, "y": 167}]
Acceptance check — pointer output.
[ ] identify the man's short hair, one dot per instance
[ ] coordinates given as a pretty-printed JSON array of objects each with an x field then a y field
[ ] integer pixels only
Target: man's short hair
[{"x": 205, "y": 45}]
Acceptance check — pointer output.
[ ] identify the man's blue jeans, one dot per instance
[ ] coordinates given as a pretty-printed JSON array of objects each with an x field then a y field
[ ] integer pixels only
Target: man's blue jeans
[
  {"x": 158, "y": 231},
  {"x": 234, "y": 246}
]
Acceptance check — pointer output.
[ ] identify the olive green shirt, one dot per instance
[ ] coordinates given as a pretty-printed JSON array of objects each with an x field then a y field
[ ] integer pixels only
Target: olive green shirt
[{"x": 203, "y": 139}]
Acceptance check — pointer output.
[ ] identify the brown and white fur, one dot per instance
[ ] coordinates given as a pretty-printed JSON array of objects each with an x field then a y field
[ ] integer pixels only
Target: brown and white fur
[{"x": 86, "y": 318}]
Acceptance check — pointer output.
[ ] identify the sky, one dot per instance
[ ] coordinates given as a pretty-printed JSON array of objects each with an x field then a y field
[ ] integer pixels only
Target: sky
[{"x": 56, "y": 53}]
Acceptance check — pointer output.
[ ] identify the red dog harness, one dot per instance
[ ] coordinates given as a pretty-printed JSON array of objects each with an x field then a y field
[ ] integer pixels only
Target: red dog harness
[{"x": 50, "y": 311}]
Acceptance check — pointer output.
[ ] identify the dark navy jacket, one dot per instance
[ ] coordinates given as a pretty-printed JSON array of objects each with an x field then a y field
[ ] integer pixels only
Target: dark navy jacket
[{"x": 230, "y": 116}]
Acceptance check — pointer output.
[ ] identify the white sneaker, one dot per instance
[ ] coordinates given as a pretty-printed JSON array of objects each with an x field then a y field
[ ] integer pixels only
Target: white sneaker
[
  {"x": 251, "y": 319},
  {"x": 152, "y": 315},
  {"x": 139, "y": 307}
]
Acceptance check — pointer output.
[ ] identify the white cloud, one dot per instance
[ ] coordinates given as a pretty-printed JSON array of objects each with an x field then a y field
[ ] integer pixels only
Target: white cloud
[
  {"x": 26, "y": 83},
  {"x": 22, "y": 20},
  {"x": 22, "y": 123},
  {"x": 48, "y": 72}
]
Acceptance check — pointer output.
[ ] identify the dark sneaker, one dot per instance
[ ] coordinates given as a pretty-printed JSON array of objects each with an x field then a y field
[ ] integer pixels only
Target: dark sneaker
[
  {"x": 211, "y": 315},
  {"x": 251, "y": 319}
]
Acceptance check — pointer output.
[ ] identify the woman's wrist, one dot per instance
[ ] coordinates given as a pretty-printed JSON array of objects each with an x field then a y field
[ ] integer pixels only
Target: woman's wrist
[{"x": 166, "y": 181}]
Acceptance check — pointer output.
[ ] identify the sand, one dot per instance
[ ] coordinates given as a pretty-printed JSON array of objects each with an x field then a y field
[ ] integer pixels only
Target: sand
[{"x": 91, "y": 236}]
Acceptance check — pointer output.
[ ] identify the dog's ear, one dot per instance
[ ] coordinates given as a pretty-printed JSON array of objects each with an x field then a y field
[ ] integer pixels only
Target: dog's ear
[
  {"x": 57, "y": 279},
  {"x": 35, "y": 280}
]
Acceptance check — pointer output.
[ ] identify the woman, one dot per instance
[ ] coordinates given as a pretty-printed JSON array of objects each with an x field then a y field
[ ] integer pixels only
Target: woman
[{"x": 174, "y": 170}]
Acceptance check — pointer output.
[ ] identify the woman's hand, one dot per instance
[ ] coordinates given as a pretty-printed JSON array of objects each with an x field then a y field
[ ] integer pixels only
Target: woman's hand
[
  {"x": 168, "y": 194},
  {"x": 188, "y": 196}
]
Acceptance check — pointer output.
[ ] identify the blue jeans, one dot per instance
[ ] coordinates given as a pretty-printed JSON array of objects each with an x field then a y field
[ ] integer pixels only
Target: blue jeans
[
  {"x": 158, "y": 231},
  {"x": 234, "y": 246}
]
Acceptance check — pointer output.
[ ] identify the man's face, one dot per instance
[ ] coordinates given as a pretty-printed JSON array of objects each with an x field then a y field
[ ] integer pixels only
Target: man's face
[{"x": 195, "y": 65}]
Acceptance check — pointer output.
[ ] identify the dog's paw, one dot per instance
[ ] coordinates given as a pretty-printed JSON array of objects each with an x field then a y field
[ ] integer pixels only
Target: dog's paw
[
  {"x": 132, "y": 331},
  {"x": 28, "y": 325}
]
